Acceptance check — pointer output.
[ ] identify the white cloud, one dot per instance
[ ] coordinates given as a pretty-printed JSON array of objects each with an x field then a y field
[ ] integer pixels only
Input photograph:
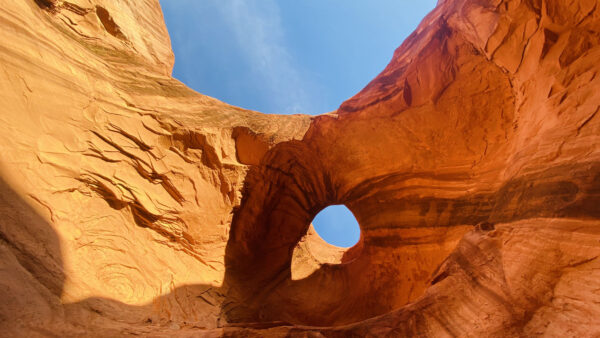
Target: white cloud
[{"x": 260, "y": 35}]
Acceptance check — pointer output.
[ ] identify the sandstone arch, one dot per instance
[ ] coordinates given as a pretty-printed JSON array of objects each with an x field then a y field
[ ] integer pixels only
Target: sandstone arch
[{"x": 471, "y": 162}]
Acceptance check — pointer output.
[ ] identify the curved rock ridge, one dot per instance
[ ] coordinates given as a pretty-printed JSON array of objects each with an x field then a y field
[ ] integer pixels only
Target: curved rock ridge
[{"x": 132, "y": 205}]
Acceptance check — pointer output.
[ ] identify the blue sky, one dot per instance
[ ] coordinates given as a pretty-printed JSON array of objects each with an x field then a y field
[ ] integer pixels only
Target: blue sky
[
  {"x": 287, "y": 56},
  {"x": 337, "y": 225}
]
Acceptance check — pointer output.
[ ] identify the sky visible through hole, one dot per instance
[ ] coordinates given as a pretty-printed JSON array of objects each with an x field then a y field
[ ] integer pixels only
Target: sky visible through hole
[
  {"x": 337, "y": 225},
  {"x": 287, "y": 56}
]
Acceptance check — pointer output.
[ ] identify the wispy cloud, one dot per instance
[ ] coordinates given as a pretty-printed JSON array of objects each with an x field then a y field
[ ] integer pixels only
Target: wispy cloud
[{"x": 259, "y": 32}]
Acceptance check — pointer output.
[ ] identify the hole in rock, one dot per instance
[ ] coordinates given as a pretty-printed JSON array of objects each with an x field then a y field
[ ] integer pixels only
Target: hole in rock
[
  {"x": 332, "y": 238},
  {"x": 337, "y": 226}
]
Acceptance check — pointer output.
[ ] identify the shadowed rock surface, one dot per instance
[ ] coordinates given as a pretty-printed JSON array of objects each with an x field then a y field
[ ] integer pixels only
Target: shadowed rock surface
[{"x": 131, "y": 205}]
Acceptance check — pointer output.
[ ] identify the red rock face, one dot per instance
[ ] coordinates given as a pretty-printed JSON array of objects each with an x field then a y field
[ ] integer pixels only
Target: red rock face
[{"x": 472, "y": 164}]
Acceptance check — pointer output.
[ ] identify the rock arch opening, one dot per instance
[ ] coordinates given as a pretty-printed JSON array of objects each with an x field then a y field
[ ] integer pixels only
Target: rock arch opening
[
  {"x": 333, "y": 238},
  {"x": 273, "y": 243},
  {"x": 337, "y": 225}
]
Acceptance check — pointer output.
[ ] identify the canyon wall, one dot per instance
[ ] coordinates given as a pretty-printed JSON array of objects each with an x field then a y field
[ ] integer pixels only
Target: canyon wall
[{"x": 131, "y": 205}]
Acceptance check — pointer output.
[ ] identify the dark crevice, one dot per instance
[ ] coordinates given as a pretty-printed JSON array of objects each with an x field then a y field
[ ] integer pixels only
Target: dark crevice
[
  {"x": 440, "y": 277},
  {"x": 109, "y": 24},
  {"x": 47, "y": 5},
  {"x": 407, "y": 93},
  {"x": 550, "y": 39}
]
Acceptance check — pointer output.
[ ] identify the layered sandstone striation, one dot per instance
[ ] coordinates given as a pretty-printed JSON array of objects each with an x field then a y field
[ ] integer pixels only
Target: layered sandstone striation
[{"x": 131, "y": 205}]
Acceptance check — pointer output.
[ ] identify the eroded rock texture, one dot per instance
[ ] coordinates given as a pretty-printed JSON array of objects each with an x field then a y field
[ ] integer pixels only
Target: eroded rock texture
[{"x": 132, "y": 205}]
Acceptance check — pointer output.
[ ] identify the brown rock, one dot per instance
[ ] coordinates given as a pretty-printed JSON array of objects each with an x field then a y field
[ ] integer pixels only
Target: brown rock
[{"x": 133, "y": 205}]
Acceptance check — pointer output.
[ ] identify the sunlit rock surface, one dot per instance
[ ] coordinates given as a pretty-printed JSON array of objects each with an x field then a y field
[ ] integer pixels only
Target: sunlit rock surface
[{"x": 131, "y": 205}]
